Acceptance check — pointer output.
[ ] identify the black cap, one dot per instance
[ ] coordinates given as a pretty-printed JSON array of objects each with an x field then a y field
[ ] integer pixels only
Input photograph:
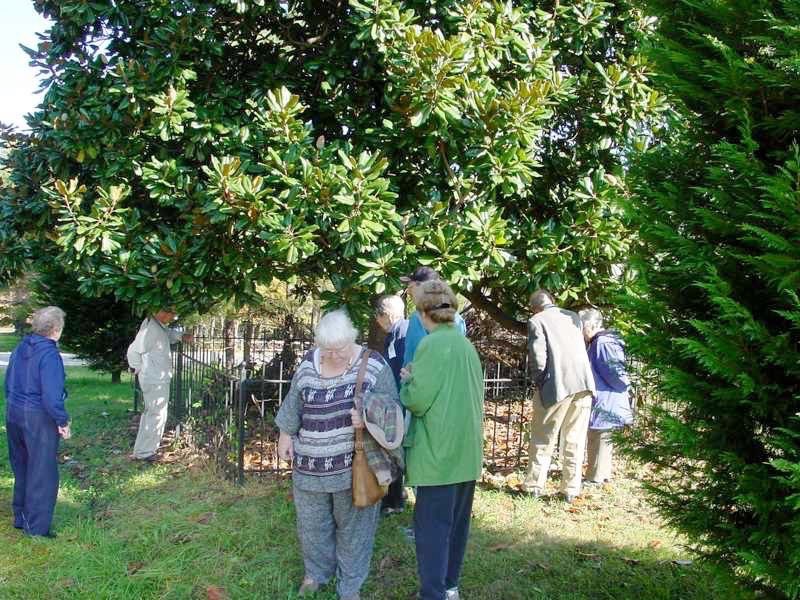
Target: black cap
[{"x": 420, "y": 274}]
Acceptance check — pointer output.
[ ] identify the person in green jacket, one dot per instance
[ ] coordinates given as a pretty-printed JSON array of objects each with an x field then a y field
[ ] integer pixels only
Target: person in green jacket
[{"x": 443, "y": 390}]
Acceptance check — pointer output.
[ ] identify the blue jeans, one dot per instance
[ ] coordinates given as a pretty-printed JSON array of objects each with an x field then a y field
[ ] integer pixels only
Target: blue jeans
[
  {"x": 441, "y": 529},
  {"x": 32, "y": 451}
]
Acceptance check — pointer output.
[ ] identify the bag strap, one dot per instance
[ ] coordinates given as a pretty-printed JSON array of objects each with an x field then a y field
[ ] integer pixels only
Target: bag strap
[{"x": 359, "y": 394}]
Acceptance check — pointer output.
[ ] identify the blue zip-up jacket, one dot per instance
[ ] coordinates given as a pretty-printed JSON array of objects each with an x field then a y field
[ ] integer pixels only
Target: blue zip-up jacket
[
  {"x": 35, "y": 378},
  {"x": 611, "y": 407}
]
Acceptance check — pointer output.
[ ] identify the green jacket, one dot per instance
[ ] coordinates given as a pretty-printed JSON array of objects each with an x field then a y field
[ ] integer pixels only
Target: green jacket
[{"x": 444, "y": 395}]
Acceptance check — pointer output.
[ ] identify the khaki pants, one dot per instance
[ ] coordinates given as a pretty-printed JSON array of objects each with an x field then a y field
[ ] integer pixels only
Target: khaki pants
[
  {"x": 572, "y": 416},
  {"x": 153, "y": 420},
  {"x": 601, "y": 455}
]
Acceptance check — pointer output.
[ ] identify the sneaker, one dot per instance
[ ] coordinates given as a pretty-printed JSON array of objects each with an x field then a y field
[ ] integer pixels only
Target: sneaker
[
  {"x": 568, "y": 498},
  {"x": 533, "y": 492},
  {"x": 452, "y": 594},
  {"x": 309, "y": 586}
]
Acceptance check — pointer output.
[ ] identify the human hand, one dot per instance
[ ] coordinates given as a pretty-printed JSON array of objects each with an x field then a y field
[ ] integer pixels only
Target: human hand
[
  {"x": 65, "y": 432},
  {"x": 285, "y": 448},
  {"x": 405, "y": 373},
  {"x": 358, "y": 422}
]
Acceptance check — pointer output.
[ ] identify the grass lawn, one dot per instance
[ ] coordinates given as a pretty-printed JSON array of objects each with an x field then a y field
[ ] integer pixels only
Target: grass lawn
[
  {"x": 178, "y": 531},
  {"x": 8, "y": 341}
]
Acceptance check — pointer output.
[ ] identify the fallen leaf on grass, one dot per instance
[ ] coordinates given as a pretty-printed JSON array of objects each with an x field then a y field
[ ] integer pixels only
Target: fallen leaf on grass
[
  {"x": 134, "y": 567},
  {"x": 683, "y": 562},
  {"x": 654, "y": 544},
  {"x": 500, "y": 546},
  {"x": 66, "y": 583},
  {"x": 214, "y": 592},
  {"x": 204, "y": 518}
]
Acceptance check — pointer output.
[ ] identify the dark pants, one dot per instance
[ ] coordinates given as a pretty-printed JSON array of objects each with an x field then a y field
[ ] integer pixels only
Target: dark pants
[
  {"x": 441, "y": 529},
  {"x": 394, "y": 496},
  {"x": 32, "y": 451}
]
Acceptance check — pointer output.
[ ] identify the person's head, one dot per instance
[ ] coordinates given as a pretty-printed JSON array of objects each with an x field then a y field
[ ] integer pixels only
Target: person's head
[
  {"x": 48, "y": 322},
  {"x": 165, "y": 316},
  {"x": 540, "y": 299},
  {"x": 436, "y": 303},
  {"x": 388, "y": 310},
  {"x": 591, "y": 322},
  {"x": 335, "y": 335},
  {"x": 416, "y": 278}
]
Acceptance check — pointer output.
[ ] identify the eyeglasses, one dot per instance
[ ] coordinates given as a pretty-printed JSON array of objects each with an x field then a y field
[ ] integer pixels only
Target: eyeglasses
[{"x": 343, "y": 352}]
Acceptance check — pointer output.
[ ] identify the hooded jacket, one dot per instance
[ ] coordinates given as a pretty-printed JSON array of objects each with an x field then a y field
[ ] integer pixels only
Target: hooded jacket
[
  {"x": 35, "y": 378},
  {"x": 611, "y": 407}
]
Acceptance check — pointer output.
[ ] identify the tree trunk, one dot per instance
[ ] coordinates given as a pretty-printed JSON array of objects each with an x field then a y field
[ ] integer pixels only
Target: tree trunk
[
  {"x": 228, "y": 335},
  {"x": 116, "y": 376},
  {"x": 376, "y": 336}
]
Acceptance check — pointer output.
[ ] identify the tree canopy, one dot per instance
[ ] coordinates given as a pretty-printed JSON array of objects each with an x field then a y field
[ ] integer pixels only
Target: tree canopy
[{"x": 187, "y": 150}]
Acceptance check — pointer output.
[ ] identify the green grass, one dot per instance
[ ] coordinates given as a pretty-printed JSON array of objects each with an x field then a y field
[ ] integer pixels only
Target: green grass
[
  {"x": 8, "y": 341},
  {"x": 178, "y": 531}
]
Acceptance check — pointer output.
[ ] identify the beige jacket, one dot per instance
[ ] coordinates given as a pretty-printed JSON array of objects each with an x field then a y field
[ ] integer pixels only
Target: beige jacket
[
  {"x": 559, "y": 365},
  {"x": 149, "y": 353}
]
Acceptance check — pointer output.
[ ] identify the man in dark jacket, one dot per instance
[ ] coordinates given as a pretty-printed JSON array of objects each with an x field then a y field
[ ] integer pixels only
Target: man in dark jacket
[{"x": 35, "y": 421}]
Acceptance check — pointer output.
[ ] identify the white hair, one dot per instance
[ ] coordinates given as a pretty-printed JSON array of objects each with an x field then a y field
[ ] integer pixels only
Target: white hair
[
  {"x": 591, "y": 318},
  {"x": 335, "y": 329},
  {"x": 390, "y": 304},
  {"x": 48, "y": 321}
]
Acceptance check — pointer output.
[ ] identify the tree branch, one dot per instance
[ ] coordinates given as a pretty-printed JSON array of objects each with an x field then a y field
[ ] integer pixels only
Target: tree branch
[{"x": 486, "y": 305}]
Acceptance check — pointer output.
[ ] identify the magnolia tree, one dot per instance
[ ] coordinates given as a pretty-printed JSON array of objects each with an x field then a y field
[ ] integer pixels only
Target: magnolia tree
[{"x": 186, "y": 151}]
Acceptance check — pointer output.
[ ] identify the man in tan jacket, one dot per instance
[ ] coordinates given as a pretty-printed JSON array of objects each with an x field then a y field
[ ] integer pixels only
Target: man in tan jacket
[
  {"x": 563, "y": 392},
  {"x": 149, "y": 356}
]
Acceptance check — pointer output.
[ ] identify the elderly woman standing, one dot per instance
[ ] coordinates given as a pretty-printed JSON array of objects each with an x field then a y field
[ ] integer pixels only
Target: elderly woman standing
[
  {"x": 443, "y": 390},
  {"x": 611, "y": 408},
  {"x": 35, "y": 420},
  {"x": 316, "y": 423}
]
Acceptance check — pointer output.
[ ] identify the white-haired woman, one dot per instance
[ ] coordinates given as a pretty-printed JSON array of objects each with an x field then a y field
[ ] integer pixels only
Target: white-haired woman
[
  {"x": 35, "y": 421},
  {"x": 611, "y": 408},
  {"x": 316, "y": 422}
]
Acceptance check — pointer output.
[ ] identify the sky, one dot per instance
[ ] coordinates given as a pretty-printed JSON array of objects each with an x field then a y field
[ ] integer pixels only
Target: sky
[{"x": 19, "y": 23}]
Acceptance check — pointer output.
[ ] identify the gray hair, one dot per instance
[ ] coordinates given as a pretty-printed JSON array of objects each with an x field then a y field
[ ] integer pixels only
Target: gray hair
[
  {"x": 540, "y": 299},
  {"x": 390, "y": 304},
  {"x": 48, "y": 321},
  {"x": 335, "y": 329},
  {"x": 591, "y": 318}
]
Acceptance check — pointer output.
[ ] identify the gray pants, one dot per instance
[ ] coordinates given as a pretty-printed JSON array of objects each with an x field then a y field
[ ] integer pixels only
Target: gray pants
[
  {"x": 571, "y": 415},
  {"x": 153, "y": 419},
  {"x": 335, "y": 537},
  {"x": 601, "y": 455}
]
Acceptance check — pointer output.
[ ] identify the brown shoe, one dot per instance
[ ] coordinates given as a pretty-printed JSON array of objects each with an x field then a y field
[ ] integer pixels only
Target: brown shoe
[{"x": 308, "y": 587}]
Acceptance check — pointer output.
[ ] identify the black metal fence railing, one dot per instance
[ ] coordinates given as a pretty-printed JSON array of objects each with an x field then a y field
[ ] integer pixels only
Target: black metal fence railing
[{"x": 226, "y": 392}]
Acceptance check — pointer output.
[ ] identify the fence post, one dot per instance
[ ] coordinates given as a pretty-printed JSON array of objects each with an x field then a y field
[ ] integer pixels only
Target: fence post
[
  {"x": 136, "y": 390},
  {"x": 179, "y": 407},
  {"x": 240, "y": 409}
]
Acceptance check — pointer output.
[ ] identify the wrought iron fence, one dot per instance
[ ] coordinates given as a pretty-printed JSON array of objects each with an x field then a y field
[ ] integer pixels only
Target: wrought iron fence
[{"x": 226, "y": 392}]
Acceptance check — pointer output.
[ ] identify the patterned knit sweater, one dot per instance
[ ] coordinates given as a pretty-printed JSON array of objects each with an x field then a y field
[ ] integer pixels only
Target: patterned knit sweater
[{"x": 316, "y": 412}]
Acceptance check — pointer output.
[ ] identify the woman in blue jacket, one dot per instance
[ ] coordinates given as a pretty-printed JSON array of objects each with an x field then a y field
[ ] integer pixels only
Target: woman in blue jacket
[
  {"x": 611, "y": 408},
  {"x": 35, "y": 421}
]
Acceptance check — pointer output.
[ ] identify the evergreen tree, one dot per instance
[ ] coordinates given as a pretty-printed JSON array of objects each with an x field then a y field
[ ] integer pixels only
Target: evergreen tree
[
  {"x": 718, "y": 204},
  {"x": 96, "y": 329}
]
